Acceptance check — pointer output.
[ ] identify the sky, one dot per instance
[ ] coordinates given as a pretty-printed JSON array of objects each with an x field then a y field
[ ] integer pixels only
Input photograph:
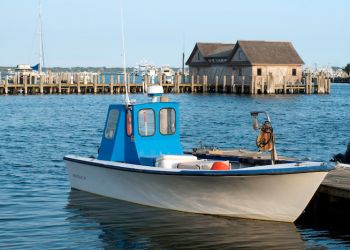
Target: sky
[{"x": 89, "y": 33}]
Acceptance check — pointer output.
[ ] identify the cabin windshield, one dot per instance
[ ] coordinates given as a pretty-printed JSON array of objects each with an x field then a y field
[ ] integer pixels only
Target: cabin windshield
[
  {"x": 146, "y": 122},
  {"x": 111, "y": 123},
  {"x": 167, "y": 119}
]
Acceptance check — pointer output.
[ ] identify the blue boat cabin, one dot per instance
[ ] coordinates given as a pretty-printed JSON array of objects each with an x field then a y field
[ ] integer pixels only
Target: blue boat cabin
[{"x": 139, "y": 133}]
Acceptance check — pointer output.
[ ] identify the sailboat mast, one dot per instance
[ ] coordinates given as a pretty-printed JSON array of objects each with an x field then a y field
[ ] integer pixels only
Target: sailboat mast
[
  {"x": 41, "y": 44},
  {"x": 127, "y": 100}
]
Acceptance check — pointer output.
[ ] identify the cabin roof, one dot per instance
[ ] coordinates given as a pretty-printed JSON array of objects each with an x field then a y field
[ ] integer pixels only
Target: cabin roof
[{"x": 268, "y": 52}]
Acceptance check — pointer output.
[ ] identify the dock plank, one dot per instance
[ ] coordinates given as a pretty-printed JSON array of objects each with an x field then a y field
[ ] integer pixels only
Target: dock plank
[{"x": 337, "y": 183}]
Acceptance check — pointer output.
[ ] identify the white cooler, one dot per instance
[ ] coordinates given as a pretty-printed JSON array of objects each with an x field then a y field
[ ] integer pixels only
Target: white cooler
[{"x": 171, "y": 161}]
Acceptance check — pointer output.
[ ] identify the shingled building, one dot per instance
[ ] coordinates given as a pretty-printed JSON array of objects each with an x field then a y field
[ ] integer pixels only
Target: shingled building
[{"x": 261, "y": 66}]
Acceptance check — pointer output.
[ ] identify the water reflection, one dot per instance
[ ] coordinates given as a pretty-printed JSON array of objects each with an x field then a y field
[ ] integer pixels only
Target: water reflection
[{"x": 121, "y": 224}]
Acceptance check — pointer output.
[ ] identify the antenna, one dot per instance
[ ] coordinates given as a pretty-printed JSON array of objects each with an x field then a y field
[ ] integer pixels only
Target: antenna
[
  {"x": 183, "y": 54},
  {"x": 41, "y": 44},
  {"x": 127, "y": 100}
]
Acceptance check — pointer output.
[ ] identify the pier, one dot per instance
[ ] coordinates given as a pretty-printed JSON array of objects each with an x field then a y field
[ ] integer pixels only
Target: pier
[{"x": 96, "y": 83}]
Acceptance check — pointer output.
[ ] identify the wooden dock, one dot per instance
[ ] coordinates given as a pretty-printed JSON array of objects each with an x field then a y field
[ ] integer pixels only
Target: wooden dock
[
  {"x": 95, "y": 83},
  {"x": 337, "y": 184}
]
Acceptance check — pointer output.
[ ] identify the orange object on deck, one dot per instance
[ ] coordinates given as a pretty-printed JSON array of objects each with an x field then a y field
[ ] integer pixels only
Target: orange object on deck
[{"x": 220, "y": 166}]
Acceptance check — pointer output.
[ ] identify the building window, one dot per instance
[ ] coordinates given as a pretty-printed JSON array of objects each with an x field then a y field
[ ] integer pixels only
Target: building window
[
  {"x": 146, "y": 121},
  {"x": 198, "y": 56},
  {"x": 240, "y": 55},
  {"x": 240, "y": 73},
  {"x": 167, "y": 119},
  {"x": 111, "y": 123},
  {"x": 258, "y": 72},
  {"x": 294, "y": 72}
]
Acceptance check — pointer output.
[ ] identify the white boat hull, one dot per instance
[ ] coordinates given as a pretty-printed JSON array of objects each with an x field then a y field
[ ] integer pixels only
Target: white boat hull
[{"x": 277, "y": 197}]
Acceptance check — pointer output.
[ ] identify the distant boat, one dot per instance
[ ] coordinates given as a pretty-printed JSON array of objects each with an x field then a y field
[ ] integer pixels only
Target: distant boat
[
  {"x": 168, "y": 74},
  {"x": 141, "y": 160},
  {"x": 143, "y": 68}
]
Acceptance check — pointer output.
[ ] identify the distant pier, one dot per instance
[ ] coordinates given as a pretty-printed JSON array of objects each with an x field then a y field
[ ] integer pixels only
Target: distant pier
[{"x": 95, "y": 83}]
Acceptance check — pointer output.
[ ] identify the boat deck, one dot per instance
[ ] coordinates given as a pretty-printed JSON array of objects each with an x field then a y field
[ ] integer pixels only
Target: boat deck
[
  {"x": 242, "y": 155},
  {"x": 335, "y": 185}
]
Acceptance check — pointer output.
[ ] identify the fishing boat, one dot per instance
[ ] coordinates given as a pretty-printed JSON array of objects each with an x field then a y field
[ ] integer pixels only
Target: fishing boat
[{"x": 141, "y": 160}]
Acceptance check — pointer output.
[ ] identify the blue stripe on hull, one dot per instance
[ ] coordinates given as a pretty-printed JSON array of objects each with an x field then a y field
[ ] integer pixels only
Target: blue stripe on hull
[{"x": 234, "y": 172}]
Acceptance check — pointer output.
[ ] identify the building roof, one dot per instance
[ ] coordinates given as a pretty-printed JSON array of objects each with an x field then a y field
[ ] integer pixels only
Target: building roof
[
  {"x": 266, "y": 52},
  {"x": 212, "y": 50}
]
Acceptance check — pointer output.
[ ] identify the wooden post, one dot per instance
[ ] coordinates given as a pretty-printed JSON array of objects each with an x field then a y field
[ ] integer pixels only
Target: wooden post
[
  {"x": 329, "y": 86},
  {"x": 6, "y": 85},
  {"x": 192, "y": 80},
  {"x": 224, "y": 84},
  {"x": 118, "y": 79},
  {"x": 111, "y": 85},
  {"x": 50, "y": 78},
  {"x": 242, "y": 84},
  {"x": 233, "y": 87},
  {"x": 25, "y": 85},
  {"x": 103, "y": 78},
  {"x": 253, "y": 88},
  {"x": 284, "y": 85},
  {"x": 41, "y": 88},
  {"x": 59, "y": 88},
  {"x": 216, "y": 84},
  {"x": 95, "y": 88},
  {"x": 192, "y": 83},
  {"x": 78, "y": 84}
]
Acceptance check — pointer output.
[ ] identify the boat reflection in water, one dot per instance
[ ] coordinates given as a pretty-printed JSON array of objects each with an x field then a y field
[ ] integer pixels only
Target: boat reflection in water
[{"x": 121, "y": 224}]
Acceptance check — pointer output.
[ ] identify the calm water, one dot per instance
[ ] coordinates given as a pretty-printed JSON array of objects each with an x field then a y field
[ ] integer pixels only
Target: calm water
[{"x": 38, "y": 209}]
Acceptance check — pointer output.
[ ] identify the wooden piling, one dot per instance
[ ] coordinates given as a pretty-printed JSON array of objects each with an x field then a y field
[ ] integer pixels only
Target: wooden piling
[
  {"x": 233, "y": 87},
  {"x": 41, "y": 85},
  {"x": 216, "y": 84},
  {"x": 224, "y": 84},
  {"x": 242, "y": 84},
  {"x": 253, "y": 88},
  {"x": 111, "y": 85},
  {"x": 284, "y": 85},
  {"x": 59, "y": 88},
  {"x": 25, "y": 85},
  {"x": 78, "y": 84}
]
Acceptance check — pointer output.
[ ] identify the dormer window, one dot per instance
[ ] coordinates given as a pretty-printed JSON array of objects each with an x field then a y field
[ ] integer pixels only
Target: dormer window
[{"x": 240, "y": 55}]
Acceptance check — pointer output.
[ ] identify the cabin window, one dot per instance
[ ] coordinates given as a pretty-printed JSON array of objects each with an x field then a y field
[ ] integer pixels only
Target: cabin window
[
  {"x": 146, "y": 121},
  {"x": 111, "y": 123},
  {"x": 294, "y": 72},
  {"x": 198, "y": 56},
  {"x": 167, "y": 119},
  {"x": 258, "y": 72}
]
